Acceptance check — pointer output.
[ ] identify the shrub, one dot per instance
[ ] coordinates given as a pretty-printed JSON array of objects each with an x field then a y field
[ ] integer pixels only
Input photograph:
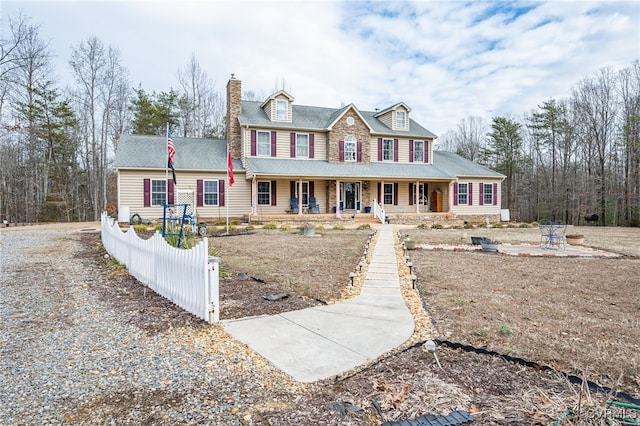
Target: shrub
[
  {"x": 319, "y": 228},
  {"x": 270, "y": 226},
  {"x": 186, "y": 242},
  {"x": 285, "y": 227},
  {"x": 468, "y": 226},
  {"x": 140, "y": 228},
  {"x": 436, "y": 226},
  {"x": 234, "y": 222},
  {"x": 504, "y": 329},
  {"x": 423, "y": 226},
  {"x": 497, "y": 225},
  {"x": 523, "y": 225},
  {"x": 364, "y": 226},
  {"x": 339, "y": 227},
  {"x": 250, "y": 227}
]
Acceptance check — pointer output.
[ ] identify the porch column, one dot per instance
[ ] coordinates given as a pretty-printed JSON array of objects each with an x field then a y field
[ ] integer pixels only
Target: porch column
[
  {"x": 300, "y": 197},
  {"x": 416, "y": 191},
  {"x": 338, "y": 198},
  {"x": 254, "y": 195}
]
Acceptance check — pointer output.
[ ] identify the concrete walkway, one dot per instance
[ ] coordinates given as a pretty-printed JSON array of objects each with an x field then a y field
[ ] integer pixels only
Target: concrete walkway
[{"x": 323, "y": 341}]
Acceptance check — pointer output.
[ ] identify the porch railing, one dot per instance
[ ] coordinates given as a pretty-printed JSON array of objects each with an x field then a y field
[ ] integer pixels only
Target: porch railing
[{"x": 378, "y": 211}]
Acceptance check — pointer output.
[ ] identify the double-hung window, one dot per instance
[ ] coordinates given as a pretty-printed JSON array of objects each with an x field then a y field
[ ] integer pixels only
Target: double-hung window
[
  {"x": 282, "y": 112},
  {"x": 210, "y": 192},
  {"x": 302, "y": 145},
  {"x": 264, "y": 193},
  {"x": 264, "y": 143},
  {"x": 350, "y": 146},
  {"x": 463, "y": 194},
  {"x": 488, "y": 194},
  {"x": 418, "y": 151},
  {"x": 401, "y": 119},
  {"x": 388, "y": 193},
  {"x": 387, "y": 149},
  {"x": 158, "y": 192}
]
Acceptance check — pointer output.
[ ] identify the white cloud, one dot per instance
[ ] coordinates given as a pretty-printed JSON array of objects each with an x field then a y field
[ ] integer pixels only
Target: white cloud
[{"x": 447, "y": 60}]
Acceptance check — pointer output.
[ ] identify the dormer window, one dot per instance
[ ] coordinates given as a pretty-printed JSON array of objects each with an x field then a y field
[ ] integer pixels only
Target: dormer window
[
  {"x": 282, "y": 109},
  {"x": 401, "y": 119}
]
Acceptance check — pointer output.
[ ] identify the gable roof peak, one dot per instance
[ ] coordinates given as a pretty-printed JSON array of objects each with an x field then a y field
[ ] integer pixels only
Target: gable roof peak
[
  {"x": 275, "y": 95},
  {"x": 393, "y": 108}
]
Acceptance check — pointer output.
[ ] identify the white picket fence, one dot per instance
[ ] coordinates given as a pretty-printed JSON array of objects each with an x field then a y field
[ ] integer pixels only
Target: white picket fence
[
  {"x": 378, "y": 212},
  {"x": 189, "y": 278}
]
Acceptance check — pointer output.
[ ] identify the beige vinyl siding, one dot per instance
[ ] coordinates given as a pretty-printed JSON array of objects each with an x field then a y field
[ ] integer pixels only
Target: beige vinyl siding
[
  {"x": 283, "y": 142},
  {"x": 403, "y": 150},
  {"x": 387, "y": 119},
  {"x": 269, "y": 109},
  {"x": 406, "y": 119},
  {"x": 131, "y": 193},
  {"x": 475, "y": 207}
]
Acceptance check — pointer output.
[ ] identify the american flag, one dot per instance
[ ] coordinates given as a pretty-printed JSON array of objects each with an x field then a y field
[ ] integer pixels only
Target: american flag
[{"x": 170, "y": 147}]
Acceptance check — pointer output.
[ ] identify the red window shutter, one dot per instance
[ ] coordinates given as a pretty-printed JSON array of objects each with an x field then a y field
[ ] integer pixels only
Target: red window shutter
[
  {"x": 292, "y": 188},
  {"x": 147, "y": 192},
  {"x": 273, "y": 143},
  {"x": 426, "y": 151},
  {"x": 312, "y": 192},
  {"x": 359, "y": 158},
  {"x": 379, "y": 149},
  {"x": 341, "y": 150},
  {"x": 221, "y": 193},
  {"x": 254, "y": 143},
  {"x": 495, "y": 194},
  {"x": 395, "y": 194},
  {"x": 411, "y": 151},
  {"x": 395, "y": 150},
  {"x": 199, "y": 193},
  {"x": 273, "y": 193},
  {"x": 380, "y": 192},
  {"x": 470, "y": 192},
  {"x": 170, "y": 197},
  {"x": 311, "y": 145},
  {"x": 412, "y": 196},
  {"x": 481, "y": 196},
  {"x": 292, "y": 145},
  {"x": 455, "y": 194}
]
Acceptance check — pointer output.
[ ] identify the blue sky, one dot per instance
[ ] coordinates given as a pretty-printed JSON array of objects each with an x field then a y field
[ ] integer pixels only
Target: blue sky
[{"x": 447, "y": 60}]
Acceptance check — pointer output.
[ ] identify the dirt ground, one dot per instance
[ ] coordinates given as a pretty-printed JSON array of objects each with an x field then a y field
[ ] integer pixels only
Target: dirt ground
[{"x": 577, "y": 315}]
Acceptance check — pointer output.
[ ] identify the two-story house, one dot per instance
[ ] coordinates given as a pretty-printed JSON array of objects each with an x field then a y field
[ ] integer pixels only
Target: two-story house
[{"x": 297, "y": 159}]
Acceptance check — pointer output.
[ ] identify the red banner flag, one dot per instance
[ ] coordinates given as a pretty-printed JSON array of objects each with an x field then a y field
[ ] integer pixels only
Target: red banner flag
[{"x": 230, "y": 168}]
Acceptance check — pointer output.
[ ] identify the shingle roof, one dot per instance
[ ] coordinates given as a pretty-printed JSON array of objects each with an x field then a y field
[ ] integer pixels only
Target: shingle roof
[
  {"x": 319, "y": 118},
  {"x": 136, "y": 151}
]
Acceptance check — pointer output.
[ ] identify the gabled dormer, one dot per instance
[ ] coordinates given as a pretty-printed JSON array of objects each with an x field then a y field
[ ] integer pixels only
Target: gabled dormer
[
  {"x": 395, "y": 117},
  {"x": 278, "y": 107}
]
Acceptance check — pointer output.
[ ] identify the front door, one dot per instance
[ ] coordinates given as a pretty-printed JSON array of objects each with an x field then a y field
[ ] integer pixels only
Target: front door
[
  {"x": 350, "y": 194},
  {"x": 423, "y": 197}
]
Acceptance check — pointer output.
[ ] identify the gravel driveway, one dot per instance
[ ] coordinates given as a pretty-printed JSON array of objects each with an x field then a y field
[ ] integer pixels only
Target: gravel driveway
[{"x": 68, "y": 355}]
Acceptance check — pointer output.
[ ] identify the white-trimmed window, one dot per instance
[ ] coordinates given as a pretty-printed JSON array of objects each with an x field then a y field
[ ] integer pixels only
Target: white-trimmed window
[
  {"x": 210, "y": 192},
  {"x": 302, "y": 145},
  {"x": 388, "y": 193},
  {"x": 401, "y": 119},
  {"x": 264, "y": 143},
  {"x": 158, "y": 192},
  {"x": 418, "y": 151},
  {"x": 387, "y": 149},
  {"x": 282, "y": 109},
  {"x": 350, "y": 147},
  {"x": 463, "y": 194},
  {"x": 305, "y": 193},
  {"x": 264, "y": 193},
  {"x": 487, "y": 194}
]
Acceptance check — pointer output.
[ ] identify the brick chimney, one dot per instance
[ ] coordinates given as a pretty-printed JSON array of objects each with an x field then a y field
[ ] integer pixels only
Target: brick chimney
[{"x": 234, "y": 109}]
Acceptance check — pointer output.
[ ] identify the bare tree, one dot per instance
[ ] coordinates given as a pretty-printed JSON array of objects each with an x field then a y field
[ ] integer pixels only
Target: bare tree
[
  {"x": 100, "y": 99},
  {"x": 594, "y": 99},
  {"x": 201, "y": 107}
]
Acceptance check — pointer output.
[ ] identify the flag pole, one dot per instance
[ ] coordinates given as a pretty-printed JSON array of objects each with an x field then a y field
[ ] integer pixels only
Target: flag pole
[
  {"x": 166, "y": 165},
  {"x": 226, "y": 192}
]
